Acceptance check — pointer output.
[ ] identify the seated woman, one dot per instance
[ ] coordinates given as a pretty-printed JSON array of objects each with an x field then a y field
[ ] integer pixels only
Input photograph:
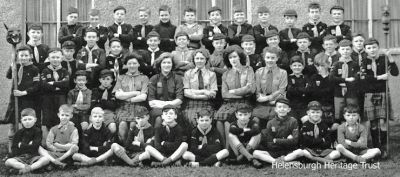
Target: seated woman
[
  {"x": 200, "y": 88},
  {"x": 131, "y": 89},
  {"x": 165, "y": 88},
  {"x": 238, "y": 86}
]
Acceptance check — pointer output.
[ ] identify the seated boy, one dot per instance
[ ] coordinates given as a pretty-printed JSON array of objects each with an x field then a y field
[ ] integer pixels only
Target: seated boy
[
  {"x": 80, "y": 99},
  {"x": 315, "y": 136},
  {"x": 69, "y": 62},
  {"x": 139, "y": 137},
  {"x": 206, "y": 148},
  {"x": 168, "y": 139},
  {"x": 272, "y": 39},
  {"x": 244, "y": 134},
  {"x": 62, "y": 140},
  {"x": 151, "y": 54},
  {"x": 24, "y": 155},
  {"x": 96, "y": 141},
  {"x": 352, "y": 137},
  {"x": 279, "y": 139},
  {"x": 104, "y": 98},
  {"x": 307, "y": 56},
  {"x": 115, "y": 59}
]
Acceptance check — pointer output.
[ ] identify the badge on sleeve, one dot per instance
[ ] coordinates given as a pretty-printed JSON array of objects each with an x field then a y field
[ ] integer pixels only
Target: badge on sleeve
[
  {"x": 83, "y": 53},
  {"x": 159, "y": 84},
  {"x": 333, "y": 31},
  {"x": 369, "y": 67},
  {"x": 210, "y": 34},
  {"x": 293, "y": 81},
  {"x": 48, "y": 76},
  {"x": 339, "y": 71},
  {"x": 318, "y": 83},
  {"x": 273, "y": 129}
]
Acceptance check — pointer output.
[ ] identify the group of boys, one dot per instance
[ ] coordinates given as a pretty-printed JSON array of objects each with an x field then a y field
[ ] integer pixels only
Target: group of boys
[{"x": 326, "y": 63}]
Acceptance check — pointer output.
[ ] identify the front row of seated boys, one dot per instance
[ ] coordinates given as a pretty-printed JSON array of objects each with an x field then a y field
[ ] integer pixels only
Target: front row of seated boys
[{"x": 280, "y": 142}]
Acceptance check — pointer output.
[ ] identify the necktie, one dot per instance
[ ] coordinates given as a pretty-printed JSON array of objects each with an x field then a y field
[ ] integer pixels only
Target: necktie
[
  {"x": 201, "y": 81},
  {"x": 345, "y": 70},
  {"x": 153, "y": 57},
  {"x": 140, "y": 136},
  {"x": 168, "y": 129},
  {"x": 315, "y": 30},
  {"x": 247, "y": 60},
  {"x": 290, "y": 34},
  {"x": 303, "y": 57},
  {"x": 119, "y": 30},
  {"x": 105, "y": 95},
  {"x": 20, "y": 74},
  {"x": 143, "y": 31},
  {"x": 183, "y": 56},
  {"x": 55, "y": 75},
  {"x": 116, "y": 67},
  {"x": 239, "y": 29},
  {"x": 90, "y": 56},
  {"x": 359, "y": 59},
  {"x": 36, "y": 53},
  {"x": 165, "y": 89},
  {"x": 69, "y": 67},
  {"x": 269, "y": 82},
  {"x": 373, "y": 66},
  {"x": 237, "y": 82},
  {"x": 338, "y": 31},
  {"x": 316, "y": 131},
  {"x": 265, "y": 31},
  {"x": 216, "y": 29},
  {"x": 330, "y": 60},
  {"x": 79, "y": 99}
]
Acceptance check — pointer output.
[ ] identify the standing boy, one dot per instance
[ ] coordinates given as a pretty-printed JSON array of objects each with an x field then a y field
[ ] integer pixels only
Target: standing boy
[
  {"x": 94, "y": 18},
  {"x": 288, "y": 36},
  {"x": 69, "y": 32},
  {"x": 141, "y": 30},
  {"x": 338, "y": 28},
  {"x": 262, "y": 28},
  {"x": 166, "y": 29},
  {"x": 315, "y": 28},
  {"x": 215, "y": 27},
  {"x": 239, "y": 28},
  {"x": 120, "y": 29},
  {"x": 35, "y": 33}
]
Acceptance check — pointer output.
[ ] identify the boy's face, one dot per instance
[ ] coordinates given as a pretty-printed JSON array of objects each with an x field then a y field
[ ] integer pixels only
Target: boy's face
[
  {"x": 169, "y": 116},
  {"x": 116, "y": 48},
  {"x": 64, "y": 117},
  {"x": 189, "y": 17},
  {"x": 91, "y": 38},
  {"x": 282, "y": 109},
  {"x": 234, "y": 59},
  {"x": 345, "y": 51},
  {"x": 248, "y": 46},
  {"x": 243, "y": 117},
  {"x": 273, "y": 41},
  {"x": 263, "y": 17},
  {"x": 329, "y": 45},
  {"x": 119, "y": 16},
  {"x": 303, "y": 44},
  {"x": 199, "y": 60},
  {"x": 322, "y": 69},
  {"x": 143, "y": 17},
  {"x": 297, "y": 67},
  {"x": 133, "y": 65},
  {"x": 94, "y": 20},
  {"x": 372, "y": 50},
  {"x": 270, "y": 59},
  {"x": 337, "y": 15},
  {"x": 72, "y": 18},
  {"x": 24, "y": 57},
  {"x": 219, "y": 45},
  {"x": 239, "y": 17},
  {"x": 166, "y": 65},
  {"x": 164, "y": 16},
  {"x": 290, "y": 20},
  {"x": 68, "y": 53},
  {"x": 35, "y": 35},
  {"x": 204, "y": 122},
  {"x": 153, "y": 42},
  {"x": 80, "y": 81},
  {"x": 314, "y": 14},
  {"x": 28, "y": 121},
  {"x": 315, "y": 115},
  {"x": 143, "y": 120},
  {"x": 351, "y": 118},
  {"x": 358, "y": 42},
  {"x": 97, "y": 119},
  {"x": 106, "y": 81},
  {"x": 182, "y": 41},
  {"x": 55, "y": 58},
  {"x": 215, "y": 17}
]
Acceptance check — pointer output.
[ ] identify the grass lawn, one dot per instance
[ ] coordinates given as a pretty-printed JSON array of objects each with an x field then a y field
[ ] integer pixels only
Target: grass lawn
[{"x": 388, "y": 167}]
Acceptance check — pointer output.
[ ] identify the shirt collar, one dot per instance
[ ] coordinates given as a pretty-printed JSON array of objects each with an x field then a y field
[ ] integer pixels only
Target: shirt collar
[
  {"x": 151, "y": 50},
  {"x": 119, "y": 24},
  {"x": 312, "y": 22},
  {"x": 98, "y": 26},
  {"x": 33, "y": 43},
  {"x": 306, "y": 51},
  {"x": 331, "y": 54},
  {"x": 94, "y": 47}
]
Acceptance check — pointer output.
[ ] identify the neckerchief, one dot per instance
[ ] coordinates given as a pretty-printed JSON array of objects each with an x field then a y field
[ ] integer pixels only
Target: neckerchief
[
  {"x": 55, "y": 74},
  {"x": 140, "y": 135},
  {"x": 204, "y": 133},
  {"x": 168, "y": 126}
]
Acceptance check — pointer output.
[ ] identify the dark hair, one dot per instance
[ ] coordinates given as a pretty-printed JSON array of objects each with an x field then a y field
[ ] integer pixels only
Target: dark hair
[
  {"x": 314, "y": 5},
  {"x": 357, "y": 34},
  {"x": 90, "y": 29},
  {"x": 139, "y": 59},
  {"x": 351, "y": 108},
  {"x": 66, "y": 108},
  {"x": 114, "y": 40},
  {"x": 35, "y": 27},
  {"x": 28, "y": 112},
  {"x": 24, "y": 48},
  {"x": 203, "y": 51},
  {"x": 161, "y": 58},
  {"x": 189, "y": 9},
  {"x": 244, "y": 108},
  {"x": 270, "y": 50},
  {"x": 336, "y": 7},
  {"x": 204, "y": 112},
  {"x": 164, "y": 8},
  {"x": 145, "y": 9},
  {"x": 54, "y": 49},
  {"x": 229, "y": 50}
]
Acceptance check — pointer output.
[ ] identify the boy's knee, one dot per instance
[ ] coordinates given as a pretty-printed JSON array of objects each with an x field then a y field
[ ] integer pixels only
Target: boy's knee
[
  {"x": 115, "y": 146},
  {"x": 112, "y": 127},
  {"x": 224, "y": 152},
  {"x": 339, "y": 147}
]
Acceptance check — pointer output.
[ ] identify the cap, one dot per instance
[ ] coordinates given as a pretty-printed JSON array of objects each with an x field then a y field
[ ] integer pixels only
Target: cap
[
  {"x": 141, "y": 111},
  {"x": 371, "y": 41},
  {"x": 236, "y": 10},
  {"x": 114, "y": 39},
  {"x": 271, "y": 33},
  {"x": 336, "y": 7},
  {"x": 80, "y": 73},
  {"x": 72, "y": 10},
  {"x": 35, "y": 26},
  {"x": 314, "y": 105},
  {"x": 303, "y": 35},
  {"x": 282, "y": 100},
  {"x": 295, "y": 59},
  {"x": 263, "y": 9},
  {"x": 106, "y": 72},
  {"x": 218, "y": 36},
  {"x": 248, "y": 38},
  {"x": 153, "y": 34},
  {"x": 94, "y": 12},
  {"x": 168, "y": 107},
  {"x": 119, "y": 8},
  {"x": 214, "y": 8},
  {"x": 345, "y": 43},
  {"x": 68, "y": 45},
  {"x": 290, "y": 12},
  {"x": 181, "y": 33}
]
